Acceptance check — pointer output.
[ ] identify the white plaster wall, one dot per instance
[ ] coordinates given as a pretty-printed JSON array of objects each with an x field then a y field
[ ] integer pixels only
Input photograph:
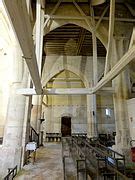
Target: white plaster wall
[
  {"x": 131, "y": 117},
  {"x": 106, "y": 124},
  {"x": 53, "y": 116},
  {"x": 7, "y": 42}
]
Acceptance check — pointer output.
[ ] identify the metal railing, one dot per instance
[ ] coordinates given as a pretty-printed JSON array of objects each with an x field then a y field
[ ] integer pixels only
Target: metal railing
[
  {"x": 112, "y": 163},
  {"x": 34, "y": 136},
  {"x": 12, "y": 172},
  {"x": 79, "y": 159},
  {"x": 114, "y": 158}
]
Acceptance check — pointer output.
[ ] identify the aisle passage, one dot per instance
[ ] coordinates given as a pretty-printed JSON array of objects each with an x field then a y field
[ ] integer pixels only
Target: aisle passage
[{"x": 48, "y": 165}]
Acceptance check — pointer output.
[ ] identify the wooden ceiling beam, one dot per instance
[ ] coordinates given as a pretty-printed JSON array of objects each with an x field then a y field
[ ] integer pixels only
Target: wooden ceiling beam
[
  {"x": 83, "y": 14},
  {"x": 101, "y": 18},
  {"x": 89, "y": 17},
  {"x": 19, "y": 18},
  {"x": 65, "y": 91},
  {"x": 43, "y": 2}
]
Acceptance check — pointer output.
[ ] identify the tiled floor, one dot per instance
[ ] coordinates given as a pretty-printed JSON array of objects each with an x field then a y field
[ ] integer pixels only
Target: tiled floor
[{"x": 48, "y": 165}]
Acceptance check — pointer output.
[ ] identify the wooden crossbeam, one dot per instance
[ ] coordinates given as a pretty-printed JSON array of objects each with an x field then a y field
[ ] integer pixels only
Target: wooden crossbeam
[
  {"x": 88, "y": 17},
  {"x": 56, "y": 7},
  {"x": 65, "y": 91},
  {"x": 132, "y": 41},
  {"x": 18, "y": 15}
]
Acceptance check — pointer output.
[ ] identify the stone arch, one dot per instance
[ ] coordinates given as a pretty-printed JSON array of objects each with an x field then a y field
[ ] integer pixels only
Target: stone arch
[
  {"x": 102, "y": 37},
  {"x": 69, "y": 68},
  {"x": 66, "y": 115}
]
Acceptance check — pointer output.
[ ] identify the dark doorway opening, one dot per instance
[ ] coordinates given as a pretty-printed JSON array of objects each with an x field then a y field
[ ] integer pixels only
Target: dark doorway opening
[{"x": 66, "y": 126}]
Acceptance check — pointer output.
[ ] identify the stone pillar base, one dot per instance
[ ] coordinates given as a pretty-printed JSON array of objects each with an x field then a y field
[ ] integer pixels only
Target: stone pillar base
[{"x": 9, "y": 158}]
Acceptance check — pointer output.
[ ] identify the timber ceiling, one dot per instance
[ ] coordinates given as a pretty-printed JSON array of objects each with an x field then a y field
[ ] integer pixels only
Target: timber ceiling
[
  {"x": 74, "y": 40},
  {"x": 71, "y": 39}
]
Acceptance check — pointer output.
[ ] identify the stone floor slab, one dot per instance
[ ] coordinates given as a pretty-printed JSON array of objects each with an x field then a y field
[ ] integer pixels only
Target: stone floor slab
[{"x": 48, "y": 165}]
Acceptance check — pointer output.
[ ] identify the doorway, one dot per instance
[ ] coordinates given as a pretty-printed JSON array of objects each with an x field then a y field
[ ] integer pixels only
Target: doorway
[{"x": 66, "y": 126}]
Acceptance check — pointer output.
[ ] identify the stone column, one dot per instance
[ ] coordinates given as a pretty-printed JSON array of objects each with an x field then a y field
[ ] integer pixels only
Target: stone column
[
  {"x": 11, "y": 152},
  {"x": 26, "y": 125},
  {"x": 91, "y": 116},
  {"x": 36, "y": 112},
  {"x": 91, "y": 99},
  {"x": 121, "y": 85}
]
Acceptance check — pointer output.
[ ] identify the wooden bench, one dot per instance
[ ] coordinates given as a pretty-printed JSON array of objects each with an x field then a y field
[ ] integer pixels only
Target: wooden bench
[{"x": 53, "y": 137}]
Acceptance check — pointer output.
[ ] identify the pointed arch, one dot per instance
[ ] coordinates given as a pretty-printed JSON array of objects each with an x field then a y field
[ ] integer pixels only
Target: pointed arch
[
  {"x": 68, "y": 68},
  {"x": 99, "y": 33}
]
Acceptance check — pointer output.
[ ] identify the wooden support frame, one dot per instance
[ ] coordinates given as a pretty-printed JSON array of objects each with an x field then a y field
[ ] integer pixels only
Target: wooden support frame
[
  {"x": 46, "y": 22},
  {"x": 19, "y": 18},
  {"x": 121, "y": 64},
  {"x": 83, "y": 14},
  {"x": 132, "y": 41},
  {"x": 43, "y": 4},
  {"x": 94, "y": 43},
  {"x": 110, "y": 35},
  {"x": 52, "y": 12},
  {"x": 101, "y": 18},
  {"x": 39, "y": 33},
  {"x": 132, "y": 11},
  {"x": 56, "y": 7}
]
